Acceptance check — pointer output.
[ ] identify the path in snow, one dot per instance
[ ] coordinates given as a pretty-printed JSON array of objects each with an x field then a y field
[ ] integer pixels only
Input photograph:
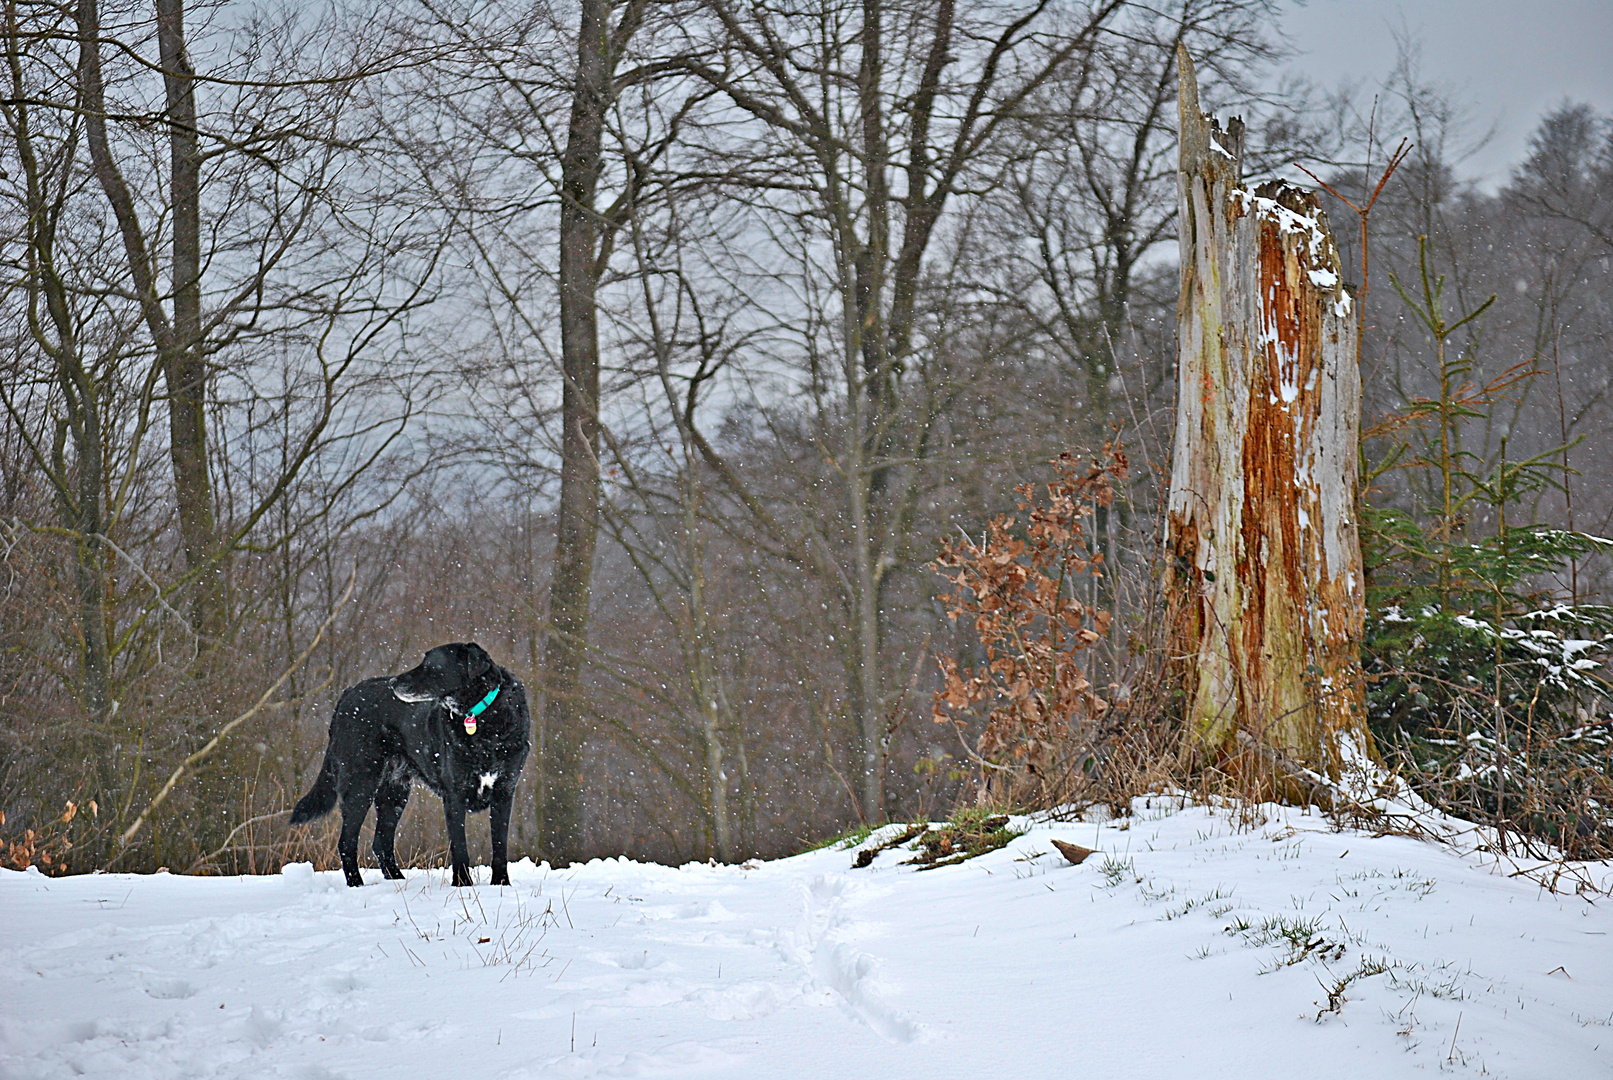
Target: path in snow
[{"x": 1185, "y": 948}]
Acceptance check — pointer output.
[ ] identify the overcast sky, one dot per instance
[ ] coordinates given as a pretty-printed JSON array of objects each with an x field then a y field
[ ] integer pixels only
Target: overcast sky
[{"x": 1511, "y": 61}]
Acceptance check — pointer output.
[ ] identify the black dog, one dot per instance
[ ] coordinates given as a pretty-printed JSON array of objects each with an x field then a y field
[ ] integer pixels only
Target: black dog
[{"x": 458, "y": 723}]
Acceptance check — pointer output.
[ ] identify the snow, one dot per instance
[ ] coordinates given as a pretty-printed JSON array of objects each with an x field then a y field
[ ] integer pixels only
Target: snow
[
  {"x": 1558, "y": 657},
  {"x": 1186, "y": 946},
  {"x": 1286, "y": 220}
]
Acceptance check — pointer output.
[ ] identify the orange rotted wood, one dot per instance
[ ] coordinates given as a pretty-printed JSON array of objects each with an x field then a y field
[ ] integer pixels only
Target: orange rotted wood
[{"x": 1266, "y": 557}]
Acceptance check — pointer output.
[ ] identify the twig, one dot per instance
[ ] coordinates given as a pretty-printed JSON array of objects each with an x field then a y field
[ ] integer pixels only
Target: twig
[
  {"x": 262, "y": 702},
  {"x": 1395, "y": 160},
  {"x": 162, "y": 600},
  {"x": 856, "y": 803},
  {"x": 896, "y": 717},
  {"x": 225, "y": 846}
]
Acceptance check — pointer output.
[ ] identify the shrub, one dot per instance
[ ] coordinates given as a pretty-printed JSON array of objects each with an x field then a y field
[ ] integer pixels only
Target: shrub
[
  {"x": 1017, "y": 588},
  {"x": 1483, "y": 683}
]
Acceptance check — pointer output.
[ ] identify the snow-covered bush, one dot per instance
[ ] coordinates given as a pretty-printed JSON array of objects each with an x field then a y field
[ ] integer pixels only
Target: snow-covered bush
[{"x": 1526, "y": 742}]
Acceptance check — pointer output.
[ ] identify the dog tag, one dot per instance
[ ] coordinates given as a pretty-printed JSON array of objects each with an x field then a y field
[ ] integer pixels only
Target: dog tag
[{"x": 470, "y": 725}]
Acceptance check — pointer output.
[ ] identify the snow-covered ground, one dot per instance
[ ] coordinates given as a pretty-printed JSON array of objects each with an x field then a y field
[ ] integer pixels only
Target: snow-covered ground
[{"x": 1185, "y": 948}]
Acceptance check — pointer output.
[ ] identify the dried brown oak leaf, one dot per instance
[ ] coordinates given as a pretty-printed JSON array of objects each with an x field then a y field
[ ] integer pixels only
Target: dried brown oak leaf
[{"x": 1074, "y": 852}]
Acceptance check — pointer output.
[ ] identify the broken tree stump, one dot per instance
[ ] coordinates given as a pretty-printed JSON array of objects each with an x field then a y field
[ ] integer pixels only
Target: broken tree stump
[{"x": 1266, "y": 558}]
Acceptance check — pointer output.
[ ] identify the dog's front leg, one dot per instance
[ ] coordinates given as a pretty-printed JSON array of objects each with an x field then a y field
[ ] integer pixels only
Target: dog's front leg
[
  {"x": 453, "y": 808},
  {"x": 499, "y": 825}
]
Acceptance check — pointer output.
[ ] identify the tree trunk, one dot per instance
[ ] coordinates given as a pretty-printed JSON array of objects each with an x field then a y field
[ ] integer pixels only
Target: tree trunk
[
  {"x": 872, "y": 413},
  {"x": 564, "y": 723},
  {"x": 184, "y": 363},
  {"x": 78, "y": 485},
  {"x": 705, "y": 681},
  {"x": 84, "y": 517},
  {"x": 1263, "y": 478},
  {"x": 178, "y": 341}
]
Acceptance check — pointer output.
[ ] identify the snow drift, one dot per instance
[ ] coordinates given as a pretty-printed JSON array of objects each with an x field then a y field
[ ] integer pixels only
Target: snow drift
[{"x": 1186, "y": 946}]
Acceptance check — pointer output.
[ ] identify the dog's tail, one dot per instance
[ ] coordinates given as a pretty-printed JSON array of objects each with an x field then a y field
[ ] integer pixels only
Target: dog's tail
[{"x": 321, "y": 798}]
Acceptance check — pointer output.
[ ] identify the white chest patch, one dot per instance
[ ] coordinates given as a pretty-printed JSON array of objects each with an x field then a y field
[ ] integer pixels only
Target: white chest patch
[{"x": 488, "y": 780}]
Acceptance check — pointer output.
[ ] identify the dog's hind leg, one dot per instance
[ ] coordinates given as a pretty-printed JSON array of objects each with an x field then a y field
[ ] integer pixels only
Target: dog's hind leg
[
  {"x": 356, "y": 799},
  {"x": 499, "y": 823},
  {"x": 390, "y": 799},
  {"x": 453, "y": 808}
]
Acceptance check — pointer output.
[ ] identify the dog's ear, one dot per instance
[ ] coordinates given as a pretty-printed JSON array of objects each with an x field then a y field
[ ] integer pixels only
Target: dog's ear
[{"x": 477, "y": 662}]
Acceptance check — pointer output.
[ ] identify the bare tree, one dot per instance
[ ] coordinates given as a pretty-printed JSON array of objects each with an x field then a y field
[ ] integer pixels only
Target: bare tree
[
  {"x": 584, "y": 253},
  {"x": 513, "y": 68},
  {"x": 310, "y": 282},
  {"x": 68, "y": 438},
  {"x": 245, "y": 203},
  {"x": 178, "y": 338},
  {"x": 866, "y": 122}
]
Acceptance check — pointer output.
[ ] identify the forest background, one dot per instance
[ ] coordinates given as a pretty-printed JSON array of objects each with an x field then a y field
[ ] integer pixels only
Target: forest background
[{"x": 656, "y": 346}]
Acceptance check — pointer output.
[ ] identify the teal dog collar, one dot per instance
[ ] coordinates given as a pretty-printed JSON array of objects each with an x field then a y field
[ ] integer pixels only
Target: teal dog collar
[{"x": 478, "y": 709}]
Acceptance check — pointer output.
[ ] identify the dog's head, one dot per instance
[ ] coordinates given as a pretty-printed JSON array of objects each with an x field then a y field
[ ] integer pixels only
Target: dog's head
[{"x": 447, "y": 672}]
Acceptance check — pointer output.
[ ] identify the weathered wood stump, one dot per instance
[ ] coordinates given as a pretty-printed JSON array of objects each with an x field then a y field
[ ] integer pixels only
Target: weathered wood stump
[{"x": 1266, "y": 555}]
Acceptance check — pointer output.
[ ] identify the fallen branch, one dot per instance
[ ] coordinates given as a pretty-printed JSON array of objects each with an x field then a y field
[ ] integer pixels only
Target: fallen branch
[
  {"x": 262, "y": 703},
  {"x": 866, "y": 856}
]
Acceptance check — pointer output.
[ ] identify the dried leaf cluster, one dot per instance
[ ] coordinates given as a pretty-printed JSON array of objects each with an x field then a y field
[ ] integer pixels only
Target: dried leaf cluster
[
  {"x": 43, "y": 847},
  {"x": 1021, "y": 589}
]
